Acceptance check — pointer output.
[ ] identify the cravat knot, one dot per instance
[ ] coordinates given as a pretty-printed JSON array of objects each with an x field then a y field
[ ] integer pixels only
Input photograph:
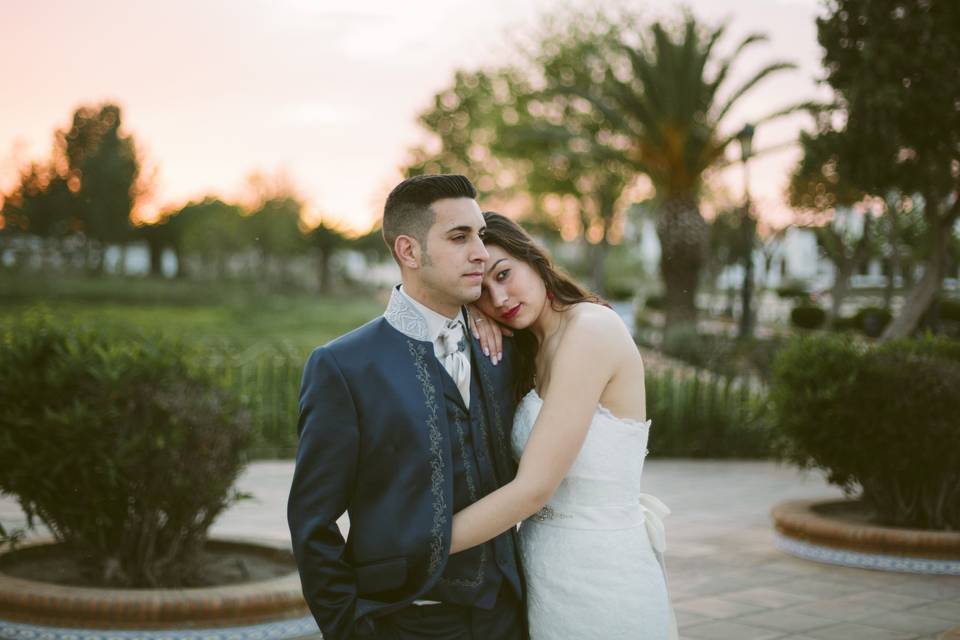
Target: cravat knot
[
  {"x": 452, "y": 352},
  {"x": 451, "y": 339}
]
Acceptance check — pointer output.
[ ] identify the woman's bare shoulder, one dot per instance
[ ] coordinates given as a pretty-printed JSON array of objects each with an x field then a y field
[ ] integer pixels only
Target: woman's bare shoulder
[{"x": 587, "y": 318}]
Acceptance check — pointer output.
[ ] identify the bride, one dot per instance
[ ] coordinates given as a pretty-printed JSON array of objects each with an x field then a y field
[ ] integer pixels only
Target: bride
[{"x": 592, "y": 544}]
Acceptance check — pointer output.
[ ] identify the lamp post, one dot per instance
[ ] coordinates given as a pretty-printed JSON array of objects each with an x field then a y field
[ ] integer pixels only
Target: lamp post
[{"x": 745, "y": 138}]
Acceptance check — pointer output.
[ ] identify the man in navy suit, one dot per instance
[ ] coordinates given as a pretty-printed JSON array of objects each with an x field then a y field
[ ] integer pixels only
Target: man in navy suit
[{"x": 402, "y": 423}]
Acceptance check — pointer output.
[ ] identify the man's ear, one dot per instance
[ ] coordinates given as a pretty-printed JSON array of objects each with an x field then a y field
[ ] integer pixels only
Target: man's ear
[{"x": 407, "y": 250}]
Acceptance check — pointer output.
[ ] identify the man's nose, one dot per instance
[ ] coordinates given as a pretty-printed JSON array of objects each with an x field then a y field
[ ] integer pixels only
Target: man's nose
[{"x": 480, "y": 253}]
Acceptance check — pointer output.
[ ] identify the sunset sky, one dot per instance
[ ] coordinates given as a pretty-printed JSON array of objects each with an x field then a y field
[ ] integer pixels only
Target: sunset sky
[{"x": 325, "y": 92}]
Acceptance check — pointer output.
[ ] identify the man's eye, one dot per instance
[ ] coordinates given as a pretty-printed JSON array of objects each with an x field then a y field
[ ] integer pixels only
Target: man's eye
[{"x": 459, "y": 238}]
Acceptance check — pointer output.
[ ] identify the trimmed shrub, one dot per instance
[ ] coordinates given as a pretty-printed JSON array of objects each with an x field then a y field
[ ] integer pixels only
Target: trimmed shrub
[
  {"x": 121, "y": 447},
  {"x": 871, "y": 321},
  {"x": 807, "y": 316},
  {"x": 654, "y": 302},
  {"x": 793, "y": 290},
  {"x": 880, "y": 420},
  {"x": 949, "y": 310}
]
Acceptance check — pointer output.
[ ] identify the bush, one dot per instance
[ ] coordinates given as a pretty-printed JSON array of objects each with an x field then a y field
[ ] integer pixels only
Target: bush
[
  {"x": 808, "y": 316},
  {"x": 706, "y": 416},
  {"x": 619, "y": 291},
  {"x": 793, "y": 290},
  {"x": 125, "y": 451},
  {"x": 949, "y": 310},
  {"x": 871, "y": 321},
  {"x": 654, "y": 302},
  {"x": 844, "y": 323},
  {"x": 881, "y": 419}
]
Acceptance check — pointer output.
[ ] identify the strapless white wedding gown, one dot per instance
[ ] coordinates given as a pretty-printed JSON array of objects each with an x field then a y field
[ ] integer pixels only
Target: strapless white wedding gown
[{"x": 593, "y": 557}]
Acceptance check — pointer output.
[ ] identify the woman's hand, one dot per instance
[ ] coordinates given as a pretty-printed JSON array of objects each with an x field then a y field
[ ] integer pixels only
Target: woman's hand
[{"x": 489, "y": 333}]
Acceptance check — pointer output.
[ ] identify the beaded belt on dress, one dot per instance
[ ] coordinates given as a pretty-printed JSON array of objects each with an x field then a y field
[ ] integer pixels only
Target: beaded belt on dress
[{"x": 648, "y": 510}]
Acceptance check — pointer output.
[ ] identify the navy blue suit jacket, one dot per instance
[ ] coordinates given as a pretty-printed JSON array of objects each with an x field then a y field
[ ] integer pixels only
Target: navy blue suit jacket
[{"x": 374, "y": 442}]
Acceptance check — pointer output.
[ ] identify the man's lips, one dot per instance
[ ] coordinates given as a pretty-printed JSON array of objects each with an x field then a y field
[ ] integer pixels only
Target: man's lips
[
  {"x": 473, "y": 275},
  {"x": 507, "y": 315}
]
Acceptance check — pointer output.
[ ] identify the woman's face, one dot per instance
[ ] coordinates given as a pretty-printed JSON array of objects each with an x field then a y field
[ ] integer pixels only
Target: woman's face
[{"x": 513, "y": 292}]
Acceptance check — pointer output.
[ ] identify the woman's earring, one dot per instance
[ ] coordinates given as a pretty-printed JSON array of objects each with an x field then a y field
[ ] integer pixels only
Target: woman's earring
[{"x": 550, "y": 295}]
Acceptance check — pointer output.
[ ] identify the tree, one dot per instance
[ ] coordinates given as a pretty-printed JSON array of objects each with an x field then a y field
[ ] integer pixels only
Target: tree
[
  {"x": 274, "y": 229},
  {"x": 40, "y": 205},
  {"x": 664, "y": 101},
  {"x": 102, "y": 170},
  {"x": 562, "y": 138},
  {"x": 893, "y": 68},
  {"x": 726, "y": 244},
  {"x": 847, "y": 247},
  {"x": 211, "y": 230},
  {"x": 524, "y": 129},
  {"x": 326, "y": 240},
  {"x": 822, "y": 185},
  {"x": 465, "y": 120}
]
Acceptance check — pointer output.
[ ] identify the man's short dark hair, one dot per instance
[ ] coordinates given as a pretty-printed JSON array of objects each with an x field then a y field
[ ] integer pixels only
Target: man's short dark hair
[{"x": 408, "y": 212}]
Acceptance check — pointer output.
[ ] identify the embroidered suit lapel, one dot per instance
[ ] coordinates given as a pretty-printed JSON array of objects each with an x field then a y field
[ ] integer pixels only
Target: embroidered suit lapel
[{"x": 488, "y": 375}]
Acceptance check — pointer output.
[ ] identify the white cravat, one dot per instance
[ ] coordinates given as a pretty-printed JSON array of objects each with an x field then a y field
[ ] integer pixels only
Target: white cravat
[{"x": 451, "y": 350}]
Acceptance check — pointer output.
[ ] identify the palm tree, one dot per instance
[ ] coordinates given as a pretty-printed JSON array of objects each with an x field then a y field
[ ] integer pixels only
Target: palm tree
[{"x": 670, "y": 112}]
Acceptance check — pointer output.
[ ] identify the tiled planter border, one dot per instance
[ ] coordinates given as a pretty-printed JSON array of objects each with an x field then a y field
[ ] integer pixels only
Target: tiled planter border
[
  {"x": 56, "y": 606},
  {"x": 282, "y": 630},
  {"x": 803, "y": 532}
]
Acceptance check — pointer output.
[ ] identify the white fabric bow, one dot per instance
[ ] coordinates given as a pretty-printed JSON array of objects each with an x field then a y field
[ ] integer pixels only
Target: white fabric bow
[{"x": 654, "y": 511}]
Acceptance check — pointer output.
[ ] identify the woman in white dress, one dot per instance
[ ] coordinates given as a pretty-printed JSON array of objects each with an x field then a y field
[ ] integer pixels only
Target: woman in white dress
[{"x": 592, "y": 544}]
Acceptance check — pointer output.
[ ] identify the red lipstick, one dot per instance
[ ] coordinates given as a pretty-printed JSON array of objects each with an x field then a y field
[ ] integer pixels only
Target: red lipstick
[{"x": 508, "y": 315}]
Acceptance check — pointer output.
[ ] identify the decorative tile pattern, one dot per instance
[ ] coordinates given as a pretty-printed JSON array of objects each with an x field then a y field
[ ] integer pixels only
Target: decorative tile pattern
[
  {"x": 881, "y": 562},
  {"x": 283, "y": 630}
]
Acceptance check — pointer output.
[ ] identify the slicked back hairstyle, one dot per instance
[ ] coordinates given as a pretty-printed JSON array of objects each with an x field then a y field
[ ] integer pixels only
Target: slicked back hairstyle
[{"x": 407, "y": 211}]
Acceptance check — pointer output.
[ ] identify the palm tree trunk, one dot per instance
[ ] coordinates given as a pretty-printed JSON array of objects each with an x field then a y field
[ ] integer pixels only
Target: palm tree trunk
[{"x": 683, "y": 242}]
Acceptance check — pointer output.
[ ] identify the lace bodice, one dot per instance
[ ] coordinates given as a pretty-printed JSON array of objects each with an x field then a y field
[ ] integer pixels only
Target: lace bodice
[{"x": 607, "y": 470}]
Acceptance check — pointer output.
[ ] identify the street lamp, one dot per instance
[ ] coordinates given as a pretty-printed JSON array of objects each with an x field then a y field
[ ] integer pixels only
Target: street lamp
[{"x": 745, "y": 138}]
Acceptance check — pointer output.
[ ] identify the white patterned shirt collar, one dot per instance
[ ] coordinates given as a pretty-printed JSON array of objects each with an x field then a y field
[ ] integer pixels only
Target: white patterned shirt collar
[{"x": 413, "y": 319}]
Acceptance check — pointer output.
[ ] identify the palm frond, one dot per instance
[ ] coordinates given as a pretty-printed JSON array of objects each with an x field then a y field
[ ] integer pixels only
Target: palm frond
[{"x": 751, "y": 83}]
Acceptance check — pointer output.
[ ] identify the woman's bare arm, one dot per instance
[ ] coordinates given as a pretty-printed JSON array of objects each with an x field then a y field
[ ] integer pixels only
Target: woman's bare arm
[{"x": 586, "y": 360}]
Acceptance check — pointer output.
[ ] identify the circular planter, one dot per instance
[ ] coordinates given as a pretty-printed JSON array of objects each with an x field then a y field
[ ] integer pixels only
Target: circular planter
[
  {"x": 263, "y": 609},
  {"x": 810, "y": 530}
]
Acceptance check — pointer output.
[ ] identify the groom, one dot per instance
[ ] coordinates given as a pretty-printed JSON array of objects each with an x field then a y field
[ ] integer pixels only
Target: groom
[{"x": 403, "y": 422}]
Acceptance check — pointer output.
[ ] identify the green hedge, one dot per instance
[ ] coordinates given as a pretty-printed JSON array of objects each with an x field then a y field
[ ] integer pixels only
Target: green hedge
[
  {"x": 119, "y": 445},
  {"x": 702, "y": 415},
  {"x": 880, "y": 420}
]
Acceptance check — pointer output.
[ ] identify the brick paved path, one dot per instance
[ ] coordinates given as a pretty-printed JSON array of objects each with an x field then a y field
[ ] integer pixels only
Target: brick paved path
[{"x": 727, "y": 580}]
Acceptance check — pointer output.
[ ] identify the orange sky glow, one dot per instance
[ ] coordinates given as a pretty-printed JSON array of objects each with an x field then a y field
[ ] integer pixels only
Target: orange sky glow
[{"x": 324, "y": 93}]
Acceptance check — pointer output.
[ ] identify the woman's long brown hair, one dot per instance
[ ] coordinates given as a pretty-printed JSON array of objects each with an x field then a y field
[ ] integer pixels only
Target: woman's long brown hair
[{"x": 562, "y": 290}]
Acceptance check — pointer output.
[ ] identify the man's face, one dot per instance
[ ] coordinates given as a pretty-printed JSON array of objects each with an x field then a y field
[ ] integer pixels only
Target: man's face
[{"x": 451, "y": 264}]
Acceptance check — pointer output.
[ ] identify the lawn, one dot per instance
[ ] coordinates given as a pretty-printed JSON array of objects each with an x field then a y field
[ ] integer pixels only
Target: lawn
[{"x": 241, "y": 315}]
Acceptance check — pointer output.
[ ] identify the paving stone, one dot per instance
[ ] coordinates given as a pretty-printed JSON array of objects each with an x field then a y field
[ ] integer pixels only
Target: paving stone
[
  {"x": 688, "y": 618},
  {"x": 837, "y": 609},
  {"x": 819, "y": 587},
  {"x": 723, "y": 630},
  {"x": 789, "y": 621},
  {"x": 883, "y": 600},
  {"x": 768, "y": 597},
  {"x": 716, "y": 607},
  {"x": 850, "y": 631},
  {"x": 946, "y": 609},
  {"x": 909, "y": 621}
]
